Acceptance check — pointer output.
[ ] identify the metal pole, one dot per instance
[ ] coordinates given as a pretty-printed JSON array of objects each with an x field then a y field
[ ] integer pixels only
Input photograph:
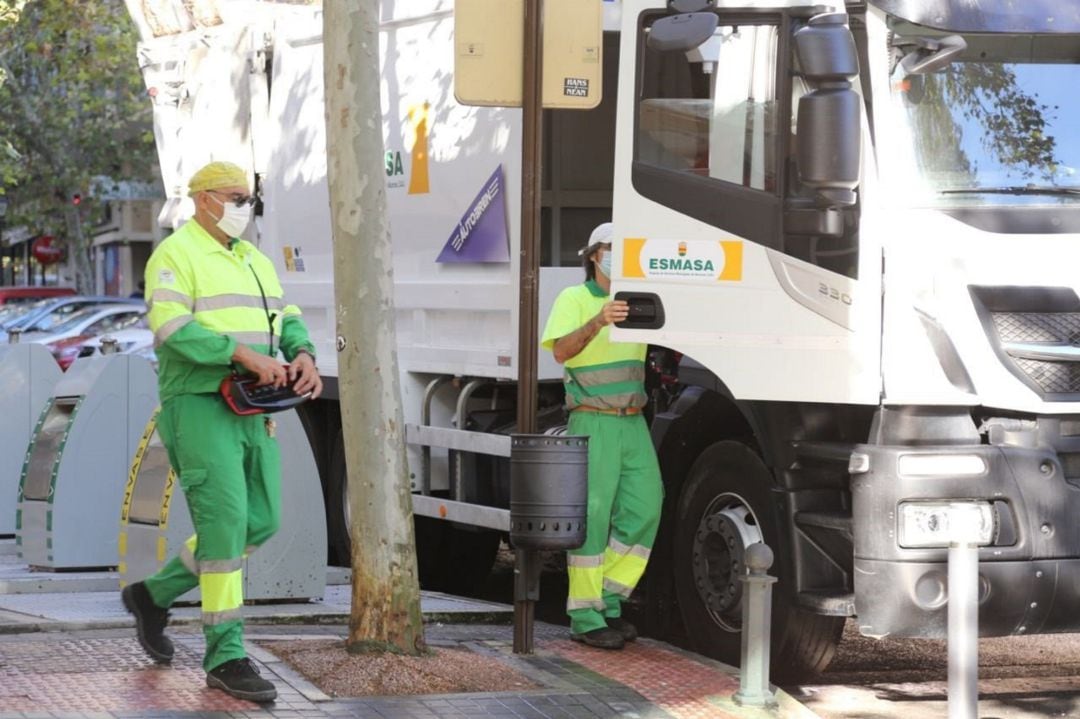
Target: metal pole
[
  {"x": 528, "y": 323},
  {"x": 964, "y": 524},
  {"x": 756, "y": 635}
]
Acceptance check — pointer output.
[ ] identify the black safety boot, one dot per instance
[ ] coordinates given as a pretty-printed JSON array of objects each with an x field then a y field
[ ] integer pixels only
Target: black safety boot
[
  {"x": 623, "y": 627},
  {"x": 150, "y": 622},
  {"x": 240, "y": 678},
  {"x": 603, "y": 638}
]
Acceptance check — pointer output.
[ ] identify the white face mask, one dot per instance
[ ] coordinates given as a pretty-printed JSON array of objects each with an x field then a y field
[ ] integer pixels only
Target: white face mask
[
  {"x": 605, "y": 264},
  {"x": 234, "y": 220}
]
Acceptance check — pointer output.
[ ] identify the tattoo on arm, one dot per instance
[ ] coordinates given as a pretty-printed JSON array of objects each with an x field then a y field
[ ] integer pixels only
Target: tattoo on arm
[{"x": 572, "y": 344}]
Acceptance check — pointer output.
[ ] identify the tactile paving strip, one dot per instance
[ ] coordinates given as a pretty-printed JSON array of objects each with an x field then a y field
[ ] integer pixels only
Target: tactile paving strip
[
  {"x": 680, "y": 686},
  {"x": 103, "y": 675}
]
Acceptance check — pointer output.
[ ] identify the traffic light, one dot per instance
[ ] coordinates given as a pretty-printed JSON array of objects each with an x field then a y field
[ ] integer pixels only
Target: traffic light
[{"x": 76, "y": 199}]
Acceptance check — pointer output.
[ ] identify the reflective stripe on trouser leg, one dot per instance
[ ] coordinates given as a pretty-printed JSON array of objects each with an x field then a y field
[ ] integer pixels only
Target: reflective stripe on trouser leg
[
  {"x": 179, "y": 576},
  {"x": 212, "y": 450},
  {"x": 586, "y": 573},
  {"x": 635, "y": 516},
  {"x": 584, "y": 602},
  {"x": 222, "y": 592}
]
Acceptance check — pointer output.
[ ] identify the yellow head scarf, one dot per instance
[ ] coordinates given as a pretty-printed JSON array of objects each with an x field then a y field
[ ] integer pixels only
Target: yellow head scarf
[{"x": 217, "y": 175}]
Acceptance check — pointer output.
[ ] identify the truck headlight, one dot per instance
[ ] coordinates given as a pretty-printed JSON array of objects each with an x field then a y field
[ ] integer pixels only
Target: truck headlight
[{"x": 933, "y": 524}]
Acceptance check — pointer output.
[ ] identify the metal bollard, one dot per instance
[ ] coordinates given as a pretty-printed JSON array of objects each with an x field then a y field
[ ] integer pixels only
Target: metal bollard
[
  {"x": 109, "y": 345},
  {"x": 13, "y": 335},
  {"x": 963, "y": 639},
  {"x": 757, "y": 617}
]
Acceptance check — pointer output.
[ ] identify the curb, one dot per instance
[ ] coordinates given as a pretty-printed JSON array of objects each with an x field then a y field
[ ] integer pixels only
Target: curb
[{"x": 36, "y": 625}]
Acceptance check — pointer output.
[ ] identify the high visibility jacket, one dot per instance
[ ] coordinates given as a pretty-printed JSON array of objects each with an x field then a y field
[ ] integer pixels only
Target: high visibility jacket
[
  {"x": 606, "y": 374},
  {"x": 204, "y": 299}
]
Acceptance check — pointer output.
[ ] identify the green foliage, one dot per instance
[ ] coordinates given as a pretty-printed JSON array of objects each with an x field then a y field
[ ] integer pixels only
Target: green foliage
[{"x": 72, "y": 106}]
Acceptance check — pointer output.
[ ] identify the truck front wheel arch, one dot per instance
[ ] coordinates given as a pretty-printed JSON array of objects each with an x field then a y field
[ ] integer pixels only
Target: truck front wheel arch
[{"x": 727, "y": 503}]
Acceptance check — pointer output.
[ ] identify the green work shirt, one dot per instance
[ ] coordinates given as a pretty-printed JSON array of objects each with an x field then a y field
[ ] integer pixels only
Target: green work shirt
[
  {"x": 204, "y": 298},
  {"x": 606, "y": 374}
]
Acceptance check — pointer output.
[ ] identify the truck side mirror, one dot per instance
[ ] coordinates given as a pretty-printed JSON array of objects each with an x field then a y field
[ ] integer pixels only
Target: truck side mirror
[{"x": 829, "y": 152}]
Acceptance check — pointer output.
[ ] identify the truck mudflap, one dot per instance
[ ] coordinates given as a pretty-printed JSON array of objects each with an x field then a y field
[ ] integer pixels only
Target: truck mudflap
[{"x": 1029, "y": 557}]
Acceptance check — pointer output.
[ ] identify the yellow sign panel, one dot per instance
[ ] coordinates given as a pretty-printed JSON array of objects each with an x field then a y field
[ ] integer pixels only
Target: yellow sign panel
[
  {"x": 682, "y": 260},
  {"x": 489, "y": 53}
]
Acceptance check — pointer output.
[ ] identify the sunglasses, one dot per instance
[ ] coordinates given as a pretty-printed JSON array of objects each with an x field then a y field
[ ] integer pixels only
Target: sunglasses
[{"x": 237, "y": 199}]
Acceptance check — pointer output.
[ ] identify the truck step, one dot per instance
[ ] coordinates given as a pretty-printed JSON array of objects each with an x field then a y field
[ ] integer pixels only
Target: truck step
[{"x": 833, "y": 605}]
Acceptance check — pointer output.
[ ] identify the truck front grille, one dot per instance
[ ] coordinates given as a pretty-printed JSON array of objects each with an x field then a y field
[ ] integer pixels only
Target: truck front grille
[{"x": 1036, "y": 332}]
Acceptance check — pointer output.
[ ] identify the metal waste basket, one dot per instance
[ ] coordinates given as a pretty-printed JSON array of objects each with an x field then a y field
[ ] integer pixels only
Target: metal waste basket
[{"x": 549, "y": 491}]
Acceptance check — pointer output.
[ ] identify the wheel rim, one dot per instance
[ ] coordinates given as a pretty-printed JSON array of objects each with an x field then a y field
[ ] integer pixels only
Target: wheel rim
[{"x": 727, "y": 527}]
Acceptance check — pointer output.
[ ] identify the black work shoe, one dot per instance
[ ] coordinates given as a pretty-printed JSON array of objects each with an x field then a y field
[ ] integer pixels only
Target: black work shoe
[
  {"x": 150, "y": 622},
  {"x": 603, "y": 638},
  {"x": 623, "y": 627},
  {"x": 240, "y": 678}
]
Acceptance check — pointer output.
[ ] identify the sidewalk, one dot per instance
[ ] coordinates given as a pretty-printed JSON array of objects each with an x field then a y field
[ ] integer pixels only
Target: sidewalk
[{"x": 73, "y": 654}]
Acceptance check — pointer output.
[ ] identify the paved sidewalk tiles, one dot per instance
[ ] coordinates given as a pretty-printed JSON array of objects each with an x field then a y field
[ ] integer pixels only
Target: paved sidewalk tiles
[{"x": 103, "y": 673}]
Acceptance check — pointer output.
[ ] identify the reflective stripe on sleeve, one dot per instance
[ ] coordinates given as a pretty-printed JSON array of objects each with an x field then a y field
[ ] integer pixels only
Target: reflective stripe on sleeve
[
  {"x": 169, "y": 328},
  {"x": 162, "y": 294}
]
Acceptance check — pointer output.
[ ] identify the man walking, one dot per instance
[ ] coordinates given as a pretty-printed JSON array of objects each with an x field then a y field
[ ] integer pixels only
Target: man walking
[
  {"x": 215, "y": 303},
  {"x": 605, "y": 392}
]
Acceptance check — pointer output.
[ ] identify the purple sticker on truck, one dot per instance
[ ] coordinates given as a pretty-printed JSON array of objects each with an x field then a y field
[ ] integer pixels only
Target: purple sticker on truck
[{"x": 481, "y": 234}]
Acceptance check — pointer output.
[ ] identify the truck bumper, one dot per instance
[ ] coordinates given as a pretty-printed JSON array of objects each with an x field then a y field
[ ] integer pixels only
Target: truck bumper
[{"x": 1029, "y": 573}]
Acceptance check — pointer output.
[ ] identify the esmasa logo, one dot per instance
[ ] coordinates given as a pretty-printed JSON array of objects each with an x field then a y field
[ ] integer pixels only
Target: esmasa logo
[{"x": 689, "y": 260}]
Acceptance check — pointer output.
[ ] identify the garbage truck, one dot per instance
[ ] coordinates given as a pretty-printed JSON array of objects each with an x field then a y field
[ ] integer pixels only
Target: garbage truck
[{"x": 847, "y": 232}]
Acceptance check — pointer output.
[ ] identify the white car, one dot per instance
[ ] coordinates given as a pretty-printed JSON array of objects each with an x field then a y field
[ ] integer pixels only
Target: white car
[
  {"x": 136, "y": 340},
  {"x": 83, "y": 324}
]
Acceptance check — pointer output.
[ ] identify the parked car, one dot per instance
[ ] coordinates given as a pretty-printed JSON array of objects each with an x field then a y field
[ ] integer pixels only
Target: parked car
[
  {"x": 86, "y": 323},
  {"x": 18, "y": 295},
  {"x": 136, "y": 339},
  {"x": 44, "y": 315}
]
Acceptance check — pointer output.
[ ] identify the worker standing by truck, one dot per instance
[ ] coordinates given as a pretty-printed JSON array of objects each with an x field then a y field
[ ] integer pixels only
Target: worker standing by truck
[
  {"x": 216, "y": 303},
  {"x": 605, "y": 394}
]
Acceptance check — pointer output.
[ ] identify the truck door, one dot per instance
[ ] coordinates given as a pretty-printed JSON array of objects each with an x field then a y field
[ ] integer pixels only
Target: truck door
[{"x": 735, "y": 244}]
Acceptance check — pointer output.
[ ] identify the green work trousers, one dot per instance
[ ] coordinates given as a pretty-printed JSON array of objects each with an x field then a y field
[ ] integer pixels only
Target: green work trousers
[
  {"x": 230, "y": 470},
  {"x": 625, "y": 497}
]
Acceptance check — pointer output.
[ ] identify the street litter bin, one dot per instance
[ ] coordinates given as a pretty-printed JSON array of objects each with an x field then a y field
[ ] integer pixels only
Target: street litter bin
[{"x": 549, "y": 487}]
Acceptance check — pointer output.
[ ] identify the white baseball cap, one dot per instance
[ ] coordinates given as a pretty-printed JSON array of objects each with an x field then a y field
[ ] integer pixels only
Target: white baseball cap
[{"x": 600, "y": 236}]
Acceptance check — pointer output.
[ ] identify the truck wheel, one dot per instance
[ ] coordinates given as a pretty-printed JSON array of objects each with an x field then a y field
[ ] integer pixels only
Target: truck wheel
[{"x": 724, "y": 507}]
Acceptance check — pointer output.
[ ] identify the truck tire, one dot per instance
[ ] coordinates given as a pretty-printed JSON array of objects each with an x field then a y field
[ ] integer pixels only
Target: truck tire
[
  {"x": 449, "y": 559},
  {"x": 725, "y": 506}
]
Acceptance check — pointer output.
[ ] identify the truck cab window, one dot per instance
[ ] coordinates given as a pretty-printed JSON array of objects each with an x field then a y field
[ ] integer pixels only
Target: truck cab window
[
  {"x": 712, "y": 112},
  {"x": 707, "y": 136}
]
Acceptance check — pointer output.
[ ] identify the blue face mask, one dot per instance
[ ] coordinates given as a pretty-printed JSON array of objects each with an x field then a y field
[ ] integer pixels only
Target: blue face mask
[{"x": 605, "y": 264}]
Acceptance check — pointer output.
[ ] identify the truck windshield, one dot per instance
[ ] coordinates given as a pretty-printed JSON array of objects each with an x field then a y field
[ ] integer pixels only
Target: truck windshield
[{"x": 985, "y": 132}]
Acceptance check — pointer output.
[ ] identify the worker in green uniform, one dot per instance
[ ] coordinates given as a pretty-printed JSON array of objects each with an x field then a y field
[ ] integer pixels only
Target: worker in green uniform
[
  {"x": 605, "y": 392},
  {"x": 216, "y": 304}
]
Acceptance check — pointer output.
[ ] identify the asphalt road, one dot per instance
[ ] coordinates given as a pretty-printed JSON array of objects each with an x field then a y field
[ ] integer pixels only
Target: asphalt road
[{"x": 1019, "y": 678}]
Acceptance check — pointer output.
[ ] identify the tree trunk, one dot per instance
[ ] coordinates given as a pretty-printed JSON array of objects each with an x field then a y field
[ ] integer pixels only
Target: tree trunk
[
  {"x": 79, "y": 253},
  {"x": 385, "y": 589}
]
